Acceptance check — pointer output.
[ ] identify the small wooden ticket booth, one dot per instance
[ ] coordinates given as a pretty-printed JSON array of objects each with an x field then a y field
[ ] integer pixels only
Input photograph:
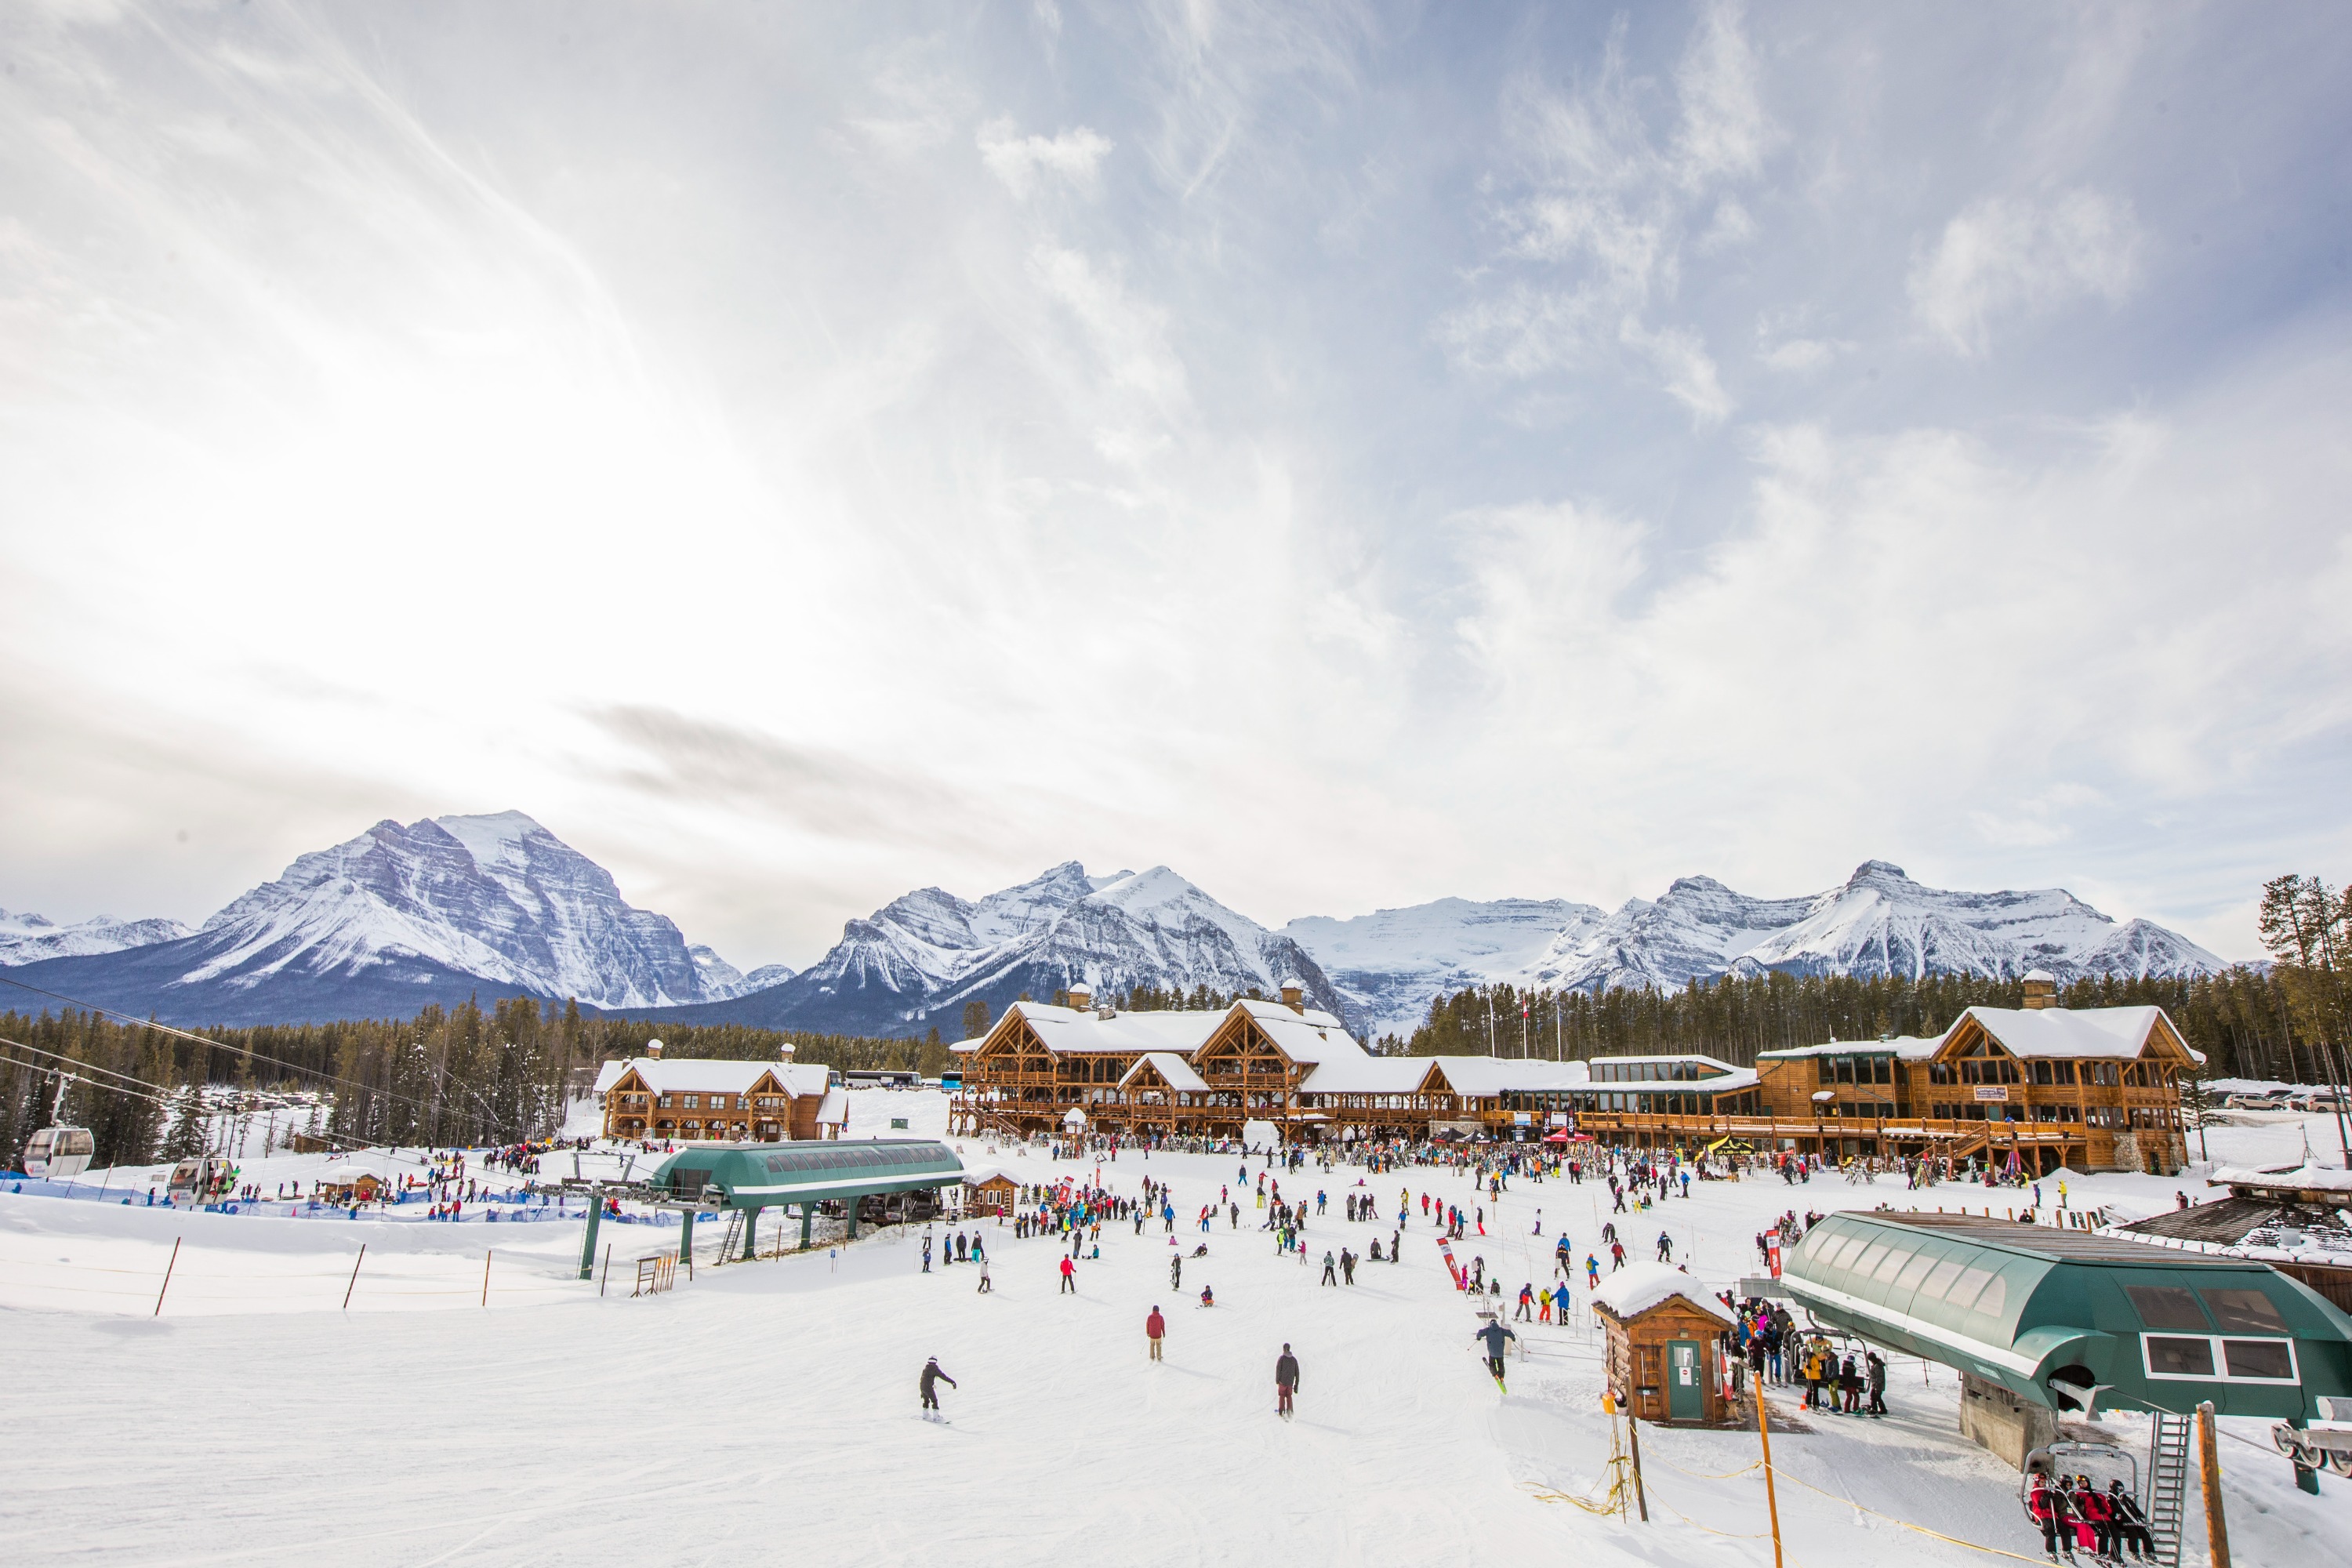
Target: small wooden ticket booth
[{"x": 1664, "y": 1344}]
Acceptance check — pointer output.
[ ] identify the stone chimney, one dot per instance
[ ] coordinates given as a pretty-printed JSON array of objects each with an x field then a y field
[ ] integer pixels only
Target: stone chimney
[
  {"x": 1082, "y": 997},
  {"x": 2040, "y": 990},
  {"x": 1294, "y": 996},
  {"x": 652, "y": 1050}
]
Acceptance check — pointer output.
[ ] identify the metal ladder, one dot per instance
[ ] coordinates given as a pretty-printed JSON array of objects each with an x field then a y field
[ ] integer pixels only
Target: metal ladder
[
  {"x": 734, "y": 1238},
  {"x": 2167, "y": 1484}
]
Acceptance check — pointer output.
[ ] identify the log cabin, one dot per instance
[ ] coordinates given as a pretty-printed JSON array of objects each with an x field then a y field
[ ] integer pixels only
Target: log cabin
[
  {"x": 2040, "y": 1085},
  {"x": 649, "y": 1098}
]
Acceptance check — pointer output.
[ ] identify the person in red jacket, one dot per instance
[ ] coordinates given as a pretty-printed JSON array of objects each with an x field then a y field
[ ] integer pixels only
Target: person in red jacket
[
  {"x": 1155, "y": 1329},
  {"x": 1069, "y": 1277}
]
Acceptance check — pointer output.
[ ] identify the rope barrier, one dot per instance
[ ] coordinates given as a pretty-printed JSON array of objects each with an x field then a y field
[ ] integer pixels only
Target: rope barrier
[{"x": 1921, "y": 1529}]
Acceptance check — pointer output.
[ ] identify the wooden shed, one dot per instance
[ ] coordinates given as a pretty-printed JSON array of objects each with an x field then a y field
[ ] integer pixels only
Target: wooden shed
[
  {"x": 991, "y": 1192},
  {"x": 351, "y": 1187},
  {"x": 1664, "y": 1344}
]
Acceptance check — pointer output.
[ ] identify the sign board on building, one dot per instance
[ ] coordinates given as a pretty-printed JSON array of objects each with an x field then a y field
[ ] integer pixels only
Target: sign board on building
[
  {"x": 897, "y": 1124},
  {"x": 1522, "y": 1118},
  {"x": 1992, "y": 1091}
]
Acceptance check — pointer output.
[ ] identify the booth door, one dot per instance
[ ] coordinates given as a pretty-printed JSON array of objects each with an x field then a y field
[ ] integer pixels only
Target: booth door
[{"x": 1685, "y": 1400}]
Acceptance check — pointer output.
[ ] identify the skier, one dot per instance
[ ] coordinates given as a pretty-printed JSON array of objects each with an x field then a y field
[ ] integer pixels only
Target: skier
[
  {"x": 1331, "y": 1267},
  {"x": 1175, "y": 1272},
  {"x": 2047, "y": 1506},
  {"x": 932, "y": 1378},
  {"x": 1069, "y": 1278},
  {"x": 1527, "y": 1301},
  {"x": 1286, "y": 1382},
  {"x": 1155, "y": 1328},
  {"x": 1666, "y": 1248},
  {"x": 1877, "y": 1376},
  {"x": 1495, "y": 1333}
]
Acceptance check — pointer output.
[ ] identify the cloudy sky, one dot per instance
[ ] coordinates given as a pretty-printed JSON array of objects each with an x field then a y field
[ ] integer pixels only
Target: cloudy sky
[{"x": 1353, "y": 455}]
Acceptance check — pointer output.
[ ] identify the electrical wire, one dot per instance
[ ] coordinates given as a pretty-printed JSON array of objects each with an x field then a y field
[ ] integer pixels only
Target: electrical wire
[{"x": 129, "y": 1020}]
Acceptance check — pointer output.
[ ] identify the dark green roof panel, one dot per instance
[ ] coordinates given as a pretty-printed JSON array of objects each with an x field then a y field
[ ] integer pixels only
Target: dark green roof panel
[{"x": 2060, "y": 1317}]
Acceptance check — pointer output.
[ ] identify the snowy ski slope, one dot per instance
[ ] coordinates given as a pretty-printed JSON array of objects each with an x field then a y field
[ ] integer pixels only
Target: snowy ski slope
[{"x": 772, "y": 1407}]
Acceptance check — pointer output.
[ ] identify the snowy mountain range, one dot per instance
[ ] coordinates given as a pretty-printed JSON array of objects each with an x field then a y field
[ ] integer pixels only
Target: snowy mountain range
[
  {"x": 493, "y": 906},
  {"x": 914, "y": 963},
  {"x": 28, "y": 938},
  {"x": 1879, "y": 922},
  {"x": 400, "y": 917}
]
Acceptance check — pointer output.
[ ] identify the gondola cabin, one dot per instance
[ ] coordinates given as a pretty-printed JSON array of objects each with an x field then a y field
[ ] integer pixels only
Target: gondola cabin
[
  {"x": 198, "y": 1180},
  {"x": 58, "y": 1154}
]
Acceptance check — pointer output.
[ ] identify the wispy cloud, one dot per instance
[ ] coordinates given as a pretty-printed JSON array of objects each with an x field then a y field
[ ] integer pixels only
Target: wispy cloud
[
  {"x": 2014, "y": 255},
  {"x": 1603, "y": 210},
  {"x": 1022, "y": 163}
]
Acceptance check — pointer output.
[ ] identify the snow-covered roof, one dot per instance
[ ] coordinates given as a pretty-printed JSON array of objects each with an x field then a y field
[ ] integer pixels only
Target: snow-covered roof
[
  {"x": 1721, "y": 1083},
  {"x": 968, "y": 1046},
  {"x": 1909, "y": 1047},
  {"x": 1638, "y": 1287},
  {"x": 1366, "y": 1074},
  {"x": 2305, "y": 1178},
  {"x": 1067, "y": 1031},
  {"x": 1483, "y": 1077},
  {"x": 1718, "y": 1063},
  {"x": 1169, "y": 1066},
  {"x": 834, "y": 1110},
  {"x": 1307, "y": 1038},
  {"x": 2119, "y": 1032},
  {"x": 670, "y": 1075}
]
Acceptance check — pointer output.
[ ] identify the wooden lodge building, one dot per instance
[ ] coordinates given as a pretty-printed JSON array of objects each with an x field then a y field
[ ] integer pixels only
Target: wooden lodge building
[
  {"x": 711, "y": 1100},
  {"x": 2096, "y": 1089}
]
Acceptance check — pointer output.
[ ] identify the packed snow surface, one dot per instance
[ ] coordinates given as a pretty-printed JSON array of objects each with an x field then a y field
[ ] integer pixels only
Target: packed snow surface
[{"x": 771, "y": 1406}]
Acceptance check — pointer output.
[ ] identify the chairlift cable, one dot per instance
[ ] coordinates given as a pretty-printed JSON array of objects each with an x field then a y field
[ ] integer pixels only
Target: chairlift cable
[{"x": 131, "y": 1021}]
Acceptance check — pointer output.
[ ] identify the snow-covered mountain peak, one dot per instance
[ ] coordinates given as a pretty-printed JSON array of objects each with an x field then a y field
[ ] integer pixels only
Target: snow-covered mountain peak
[{"x": 28, "y": 938}]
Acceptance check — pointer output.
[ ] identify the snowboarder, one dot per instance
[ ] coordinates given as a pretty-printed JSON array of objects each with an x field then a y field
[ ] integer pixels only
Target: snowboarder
[
  {"x": 1495, "y": 1333},
  {"x": 932, "y": 1377},
  {"x": 1155, "y": 1328},
  {"x": 1286, "y": 1382}
]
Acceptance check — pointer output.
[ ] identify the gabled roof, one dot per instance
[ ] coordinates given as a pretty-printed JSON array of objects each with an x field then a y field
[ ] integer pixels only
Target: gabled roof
[
  {"x": 1169, "y": 1065},
  {"x": 698, "y": 1076},
  {"x": 1066, "y": 1031},
  {"x": 1307, "y": 1038},
  {"x": 2119, "y": 1034}
]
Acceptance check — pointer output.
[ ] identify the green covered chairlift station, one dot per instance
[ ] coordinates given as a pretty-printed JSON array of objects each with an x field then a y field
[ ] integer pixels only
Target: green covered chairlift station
[
  {"x": 748, "y": 1177},
  {"x": 2041, "y": 1321}
]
